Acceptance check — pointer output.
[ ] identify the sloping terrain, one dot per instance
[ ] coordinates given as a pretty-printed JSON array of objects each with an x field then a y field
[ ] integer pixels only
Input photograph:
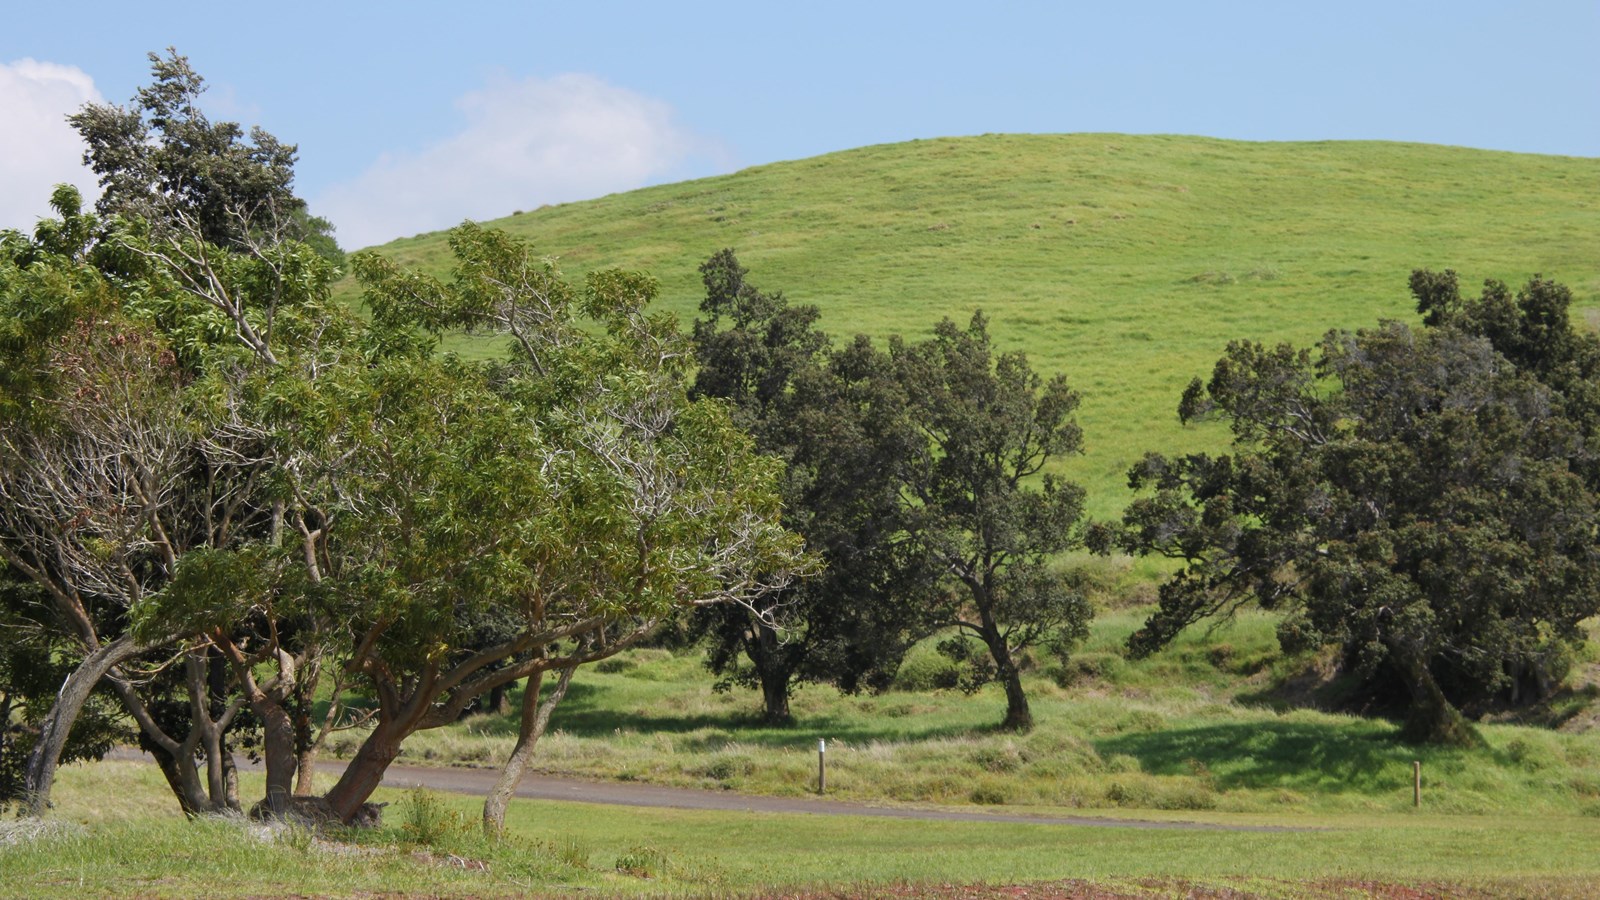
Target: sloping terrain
[{"x": 1127, "y": 262}]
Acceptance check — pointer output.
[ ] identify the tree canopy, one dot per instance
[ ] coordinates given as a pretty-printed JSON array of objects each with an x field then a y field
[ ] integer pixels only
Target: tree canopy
[
  {"x": 838, "y": 421},
  {"x": 1421, "y": 498},
  {"x": 982, "y": 506},
  {"x": 217, "y": 486}
]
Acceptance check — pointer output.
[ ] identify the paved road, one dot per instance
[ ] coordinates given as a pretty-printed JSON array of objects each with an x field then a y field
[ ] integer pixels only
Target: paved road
[{"x": 535, "y": 786}]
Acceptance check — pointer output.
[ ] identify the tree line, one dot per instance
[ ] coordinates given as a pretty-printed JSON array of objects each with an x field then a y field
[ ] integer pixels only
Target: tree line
[{"x": 242, "y": 517}]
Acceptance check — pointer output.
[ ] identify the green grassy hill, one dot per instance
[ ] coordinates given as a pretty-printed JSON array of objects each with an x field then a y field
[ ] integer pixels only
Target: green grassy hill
[{"x": 1126, "y": 262}]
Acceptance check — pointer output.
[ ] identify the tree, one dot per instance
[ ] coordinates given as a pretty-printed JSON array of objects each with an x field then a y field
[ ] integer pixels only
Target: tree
[
  {"x": 990, "y": 427},
  {"x": 574, "y": 489},
  {"x": 135, "y": 468},
  {"x": 1412, "y": 496},
  {"x": 838, "y": 422},
  {"x": 32, "y": 667},
  {"x": 162, "y": 160}
]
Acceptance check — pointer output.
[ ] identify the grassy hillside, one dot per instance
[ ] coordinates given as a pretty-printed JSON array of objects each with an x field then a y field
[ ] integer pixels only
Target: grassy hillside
[{"x": 1126, "y": 262}]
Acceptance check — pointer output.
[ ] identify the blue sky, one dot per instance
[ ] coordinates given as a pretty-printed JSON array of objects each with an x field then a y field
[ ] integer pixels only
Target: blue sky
[{"x": 413, "y": 116}]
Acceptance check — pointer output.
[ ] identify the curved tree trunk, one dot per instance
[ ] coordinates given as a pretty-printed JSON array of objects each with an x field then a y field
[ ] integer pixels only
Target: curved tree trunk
[
  {"x": 366, "y": 769},
  {"x": 1018, "y": 716},
  {"x": 57, "y": 725},
  {"x": 535, "y": 718},
  {"x": 1431, "y": 718}
]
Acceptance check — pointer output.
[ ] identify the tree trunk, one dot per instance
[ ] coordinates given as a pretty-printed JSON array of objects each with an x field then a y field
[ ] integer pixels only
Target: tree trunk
[
  {"x": 1018, "y": 716},
  {"x": 176, "y": 760},
  {"x": 305, "y": 769},
  {"x": 500, "y": 700},
  {"x": 535, "y": 718},
  {"x": 305, "y": 742},
  {"x": 365, "y": 771},
  {"x": 278, "y": 752},
  {"x": 183, "y": 781},
  {"x": 53, "y": 733},
  {"x": 278, "y": 732},
  {"x": 772, "y": 671},
  {"x": 775, "y": 697},
  {"x": 1431, "y": 718}
]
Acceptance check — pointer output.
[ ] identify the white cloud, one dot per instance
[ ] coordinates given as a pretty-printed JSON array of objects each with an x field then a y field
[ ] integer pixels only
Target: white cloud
[
  {"x": 38, "y": 149},
  {"x": 525, "y": 143}
]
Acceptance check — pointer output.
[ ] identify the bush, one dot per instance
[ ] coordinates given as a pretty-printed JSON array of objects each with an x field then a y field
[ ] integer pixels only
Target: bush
[
  {"x": 925, "y": 669},
  {"x": 1000, "y": 760},
  {"x": 990, "y": 793},
  {"x": 642, "y": 862},
  {"x": 427, "y": 820}
]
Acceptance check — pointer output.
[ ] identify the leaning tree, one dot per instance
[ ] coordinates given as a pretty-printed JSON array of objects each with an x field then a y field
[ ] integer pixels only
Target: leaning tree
[
  {"x": 574, "y": 492},
  {"x": 1413, "y": 496}
]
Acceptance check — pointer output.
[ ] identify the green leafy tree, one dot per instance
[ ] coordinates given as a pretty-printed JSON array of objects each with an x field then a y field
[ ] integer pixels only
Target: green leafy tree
[
  {"x": 837, "y": 420},
  {"x": 574, "y": 489},
  {"x": 162, "y": 160},
  {"x": 981, "y": 505},
  {"x": 135, "y": 467},
  {"x": 1412, "y": 496}
]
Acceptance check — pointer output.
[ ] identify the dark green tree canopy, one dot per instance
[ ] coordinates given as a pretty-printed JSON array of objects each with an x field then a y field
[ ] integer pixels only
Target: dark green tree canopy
[
  {"x": 982, "y": 506},
  {"x": 1415, "y": 496},
  {"x": 838, "y": 420},
  {"x": 162, "y": 160}
]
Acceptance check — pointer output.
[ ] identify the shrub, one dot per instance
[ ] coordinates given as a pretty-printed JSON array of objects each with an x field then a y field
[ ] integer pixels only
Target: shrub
[
  {"x": 990, "y": 793},
  {"x": 642, "y": 862},
  {"x": 925, "y": 669},
  {"x": 572, "y": 853},
  {"x": 427, "y": 820},
  {"x": 1000, "y": 760}
]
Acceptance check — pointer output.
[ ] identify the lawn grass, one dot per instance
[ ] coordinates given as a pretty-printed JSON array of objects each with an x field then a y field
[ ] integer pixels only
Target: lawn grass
[
  {"x": 128, "y": 842},
  {"x": 1204, "y": 725},
  {"x": 1202, "y": 732},
  {"x": 1127, "y": 262}
]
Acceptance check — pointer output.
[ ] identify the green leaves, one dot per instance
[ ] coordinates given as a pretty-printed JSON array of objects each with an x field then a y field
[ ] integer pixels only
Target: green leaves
[{"x": 1423, "y": 497}]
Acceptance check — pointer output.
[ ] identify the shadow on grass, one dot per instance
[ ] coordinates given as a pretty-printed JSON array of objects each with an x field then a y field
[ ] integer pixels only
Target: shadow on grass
[
  {"x": 588, "y": 712},
  {"x": 1327, "y": 758}
]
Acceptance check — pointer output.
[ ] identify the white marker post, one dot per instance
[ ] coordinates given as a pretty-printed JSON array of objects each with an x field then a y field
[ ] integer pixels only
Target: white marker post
[{"x": 822, "y": 765}]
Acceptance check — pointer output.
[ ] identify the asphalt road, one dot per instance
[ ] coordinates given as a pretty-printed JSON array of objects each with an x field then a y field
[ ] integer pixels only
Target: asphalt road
[{"x": 535, "y": 786}]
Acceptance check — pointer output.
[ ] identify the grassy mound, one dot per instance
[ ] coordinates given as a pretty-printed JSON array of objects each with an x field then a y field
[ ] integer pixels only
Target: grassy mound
[{"x": 1126, "y": 262}]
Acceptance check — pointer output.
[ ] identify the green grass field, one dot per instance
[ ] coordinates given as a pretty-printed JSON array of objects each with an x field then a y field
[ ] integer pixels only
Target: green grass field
[
  {"x": 1212, "y": 730},
  {"x": 110, "y": 844},
  {"x": 1213, "y": 723},
  {"x": 1127, "y": 262}
]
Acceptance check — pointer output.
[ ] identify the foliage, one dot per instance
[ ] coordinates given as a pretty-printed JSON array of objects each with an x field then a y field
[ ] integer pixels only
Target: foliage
[
  {"x": 1413, "y": 496},
  {"x": 990, "y": 426},
  {"x": 837, "y": 421},
  {"x": 426, "y": 819},
  {"x": 162, "y": 160},
  {"x": 573, "y": 495}
]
